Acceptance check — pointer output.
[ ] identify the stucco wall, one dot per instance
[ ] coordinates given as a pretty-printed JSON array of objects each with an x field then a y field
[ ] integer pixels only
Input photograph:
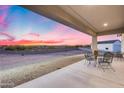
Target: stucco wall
[
  {"x": 122, "y": 44},
  {"x": 117, "y": 47},
  {"x": 113, "y": 47},
  {"x": 104, "y": 46}
]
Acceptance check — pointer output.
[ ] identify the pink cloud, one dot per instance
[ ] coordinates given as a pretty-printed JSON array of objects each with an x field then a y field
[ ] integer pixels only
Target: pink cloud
[
  {"x": 34, "y": 34},
  {"x": 29, "y": 42},
  {"x": 67, "y": 35},
  {"x": 31, "y": 36},
  {"x": 2, "y": 20},
  {"x": 4, "y": 7},
  {"x": 57, "y": 32},
  {"x": 9, "y": 37},
  {"x": 3, "y": 16}
]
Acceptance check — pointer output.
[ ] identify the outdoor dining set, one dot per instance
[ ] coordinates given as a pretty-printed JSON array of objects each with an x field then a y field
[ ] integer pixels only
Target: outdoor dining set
[{"x": 103, "y": 60}]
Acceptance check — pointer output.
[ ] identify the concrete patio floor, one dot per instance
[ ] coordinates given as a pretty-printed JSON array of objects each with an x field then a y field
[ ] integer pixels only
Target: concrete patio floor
[{"x": 80, "y": 75}]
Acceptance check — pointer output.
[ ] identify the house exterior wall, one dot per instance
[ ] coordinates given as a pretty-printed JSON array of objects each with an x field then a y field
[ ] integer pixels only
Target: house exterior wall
[
  {"x": 117, "y": 47},
  {"x": 105, "y": 47},
  {"x": 112, "y": 47},
  {"x": 122, "y": 43}
]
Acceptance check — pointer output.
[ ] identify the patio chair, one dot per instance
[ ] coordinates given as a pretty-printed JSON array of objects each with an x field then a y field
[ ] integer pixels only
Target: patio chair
[
  {"x": 88, "y": 58},
  {"x": 106, "y": 61},
  {"x": 119, "y": 56}
]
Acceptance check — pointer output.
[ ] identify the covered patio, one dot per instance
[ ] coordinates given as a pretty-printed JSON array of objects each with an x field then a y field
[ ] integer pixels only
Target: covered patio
[
  {"x": 95, "y": 21},
  {"x": 80, "y": 75}
]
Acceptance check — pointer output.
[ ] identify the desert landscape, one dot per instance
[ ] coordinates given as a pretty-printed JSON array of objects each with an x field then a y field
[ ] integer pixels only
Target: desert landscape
[{"x": 16, "y": 69}]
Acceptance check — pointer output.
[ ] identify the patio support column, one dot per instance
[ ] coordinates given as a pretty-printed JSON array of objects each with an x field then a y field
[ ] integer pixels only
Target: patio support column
[
  {"x": 94, "y": 43},
  {"x": 122, "y": 43}
]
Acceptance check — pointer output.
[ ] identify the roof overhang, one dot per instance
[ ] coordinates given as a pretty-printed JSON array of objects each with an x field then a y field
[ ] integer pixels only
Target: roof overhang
[
  {"x": 109, "y": 32},
  {"x": 73, "y": 19}
]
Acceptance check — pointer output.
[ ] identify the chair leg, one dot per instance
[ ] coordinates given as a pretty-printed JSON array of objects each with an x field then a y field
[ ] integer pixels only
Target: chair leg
[
  {"x": 112, "y": 68},
  {"x": 103, "y": 67},
  {"x": 106, "y": 67},
  {"x": 100, "y": 66},
  {"x": 89, "y": 62},
  {"x": 85, "y": 61}
]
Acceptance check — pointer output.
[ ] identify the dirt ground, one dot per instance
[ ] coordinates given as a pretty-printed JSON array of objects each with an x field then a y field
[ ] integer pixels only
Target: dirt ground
[{"x": 21, "y": 74}]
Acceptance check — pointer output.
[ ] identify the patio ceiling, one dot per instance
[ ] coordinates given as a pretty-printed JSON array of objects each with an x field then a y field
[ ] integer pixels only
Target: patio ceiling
[{"x": 90, "y": 19}]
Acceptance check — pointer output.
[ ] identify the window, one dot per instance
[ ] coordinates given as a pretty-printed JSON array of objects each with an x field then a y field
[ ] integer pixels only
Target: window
[{"x": 107, "y": 48}]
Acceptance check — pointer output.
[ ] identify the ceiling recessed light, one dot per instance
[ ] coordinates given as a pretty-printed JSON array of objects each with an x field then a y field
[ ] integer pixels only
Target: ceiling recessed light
[{"x": 105, "y": 24}]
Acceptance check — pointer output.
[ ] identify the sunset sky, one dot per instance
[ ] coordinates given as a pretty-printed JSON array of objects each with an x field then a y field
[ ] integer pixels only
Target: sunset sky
[{"x": 19, "y": 26}]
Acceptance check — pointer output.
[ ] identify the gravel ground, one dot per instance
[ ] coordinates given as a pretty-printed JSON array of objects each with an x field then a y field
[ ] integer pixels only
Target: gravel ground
[
  {"x": 18, "y": 69},
  {"x": 8, "y": 61}
]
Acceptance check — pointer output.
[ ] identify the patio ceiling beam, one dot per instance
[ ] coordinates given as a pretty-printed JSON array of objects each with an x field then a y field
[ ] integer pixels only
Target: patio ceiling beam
[
  {"x": 109, "y": 32},
  {"x": 58, "y": 14}
]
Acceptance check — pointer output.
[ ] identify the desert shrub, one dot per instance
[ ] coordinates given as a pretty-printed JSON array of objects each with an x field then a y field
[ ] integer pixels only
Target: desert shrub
[
  {"x": 10, "y": 48},
  {"x": 15, "y": 48}
]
